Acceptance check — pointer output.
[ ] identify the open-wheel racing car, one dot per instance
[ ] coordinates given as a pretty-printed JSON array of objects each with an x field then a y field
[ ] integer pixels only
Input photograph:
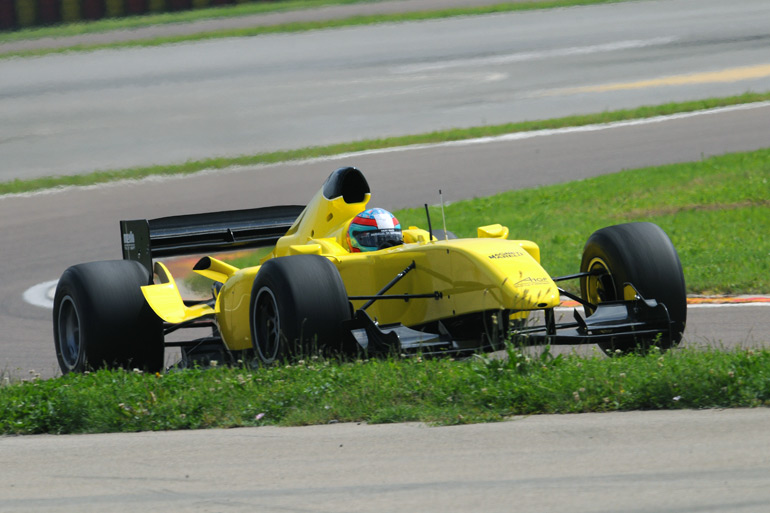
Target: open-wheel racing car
[{"x": 421, "y": 292}]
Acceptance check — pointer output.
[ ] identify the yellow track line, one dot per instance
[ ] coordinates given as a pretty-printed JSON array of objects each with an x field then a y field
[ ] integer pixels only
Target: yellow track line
[{"x": 725, "y": 75}]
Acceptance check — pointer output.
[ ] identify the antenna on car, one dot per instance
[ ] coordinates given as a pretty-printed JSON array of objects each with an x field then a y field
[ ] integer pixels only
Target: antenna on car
[
  {"x": 430, "y": 228},
  {"x": 443, "y": 217}
]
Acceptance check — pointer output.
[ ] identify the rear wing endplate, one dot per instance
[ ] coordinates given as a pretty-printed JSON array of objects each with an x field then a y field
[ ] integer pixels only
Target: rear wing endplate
[{"x": 146, "y": 239}]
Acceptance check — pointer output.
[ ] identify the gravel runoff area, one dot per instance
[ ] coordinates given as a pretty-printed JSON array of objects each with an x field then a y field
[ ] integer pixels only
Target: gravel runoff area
[{"x": 323, "y": 13}]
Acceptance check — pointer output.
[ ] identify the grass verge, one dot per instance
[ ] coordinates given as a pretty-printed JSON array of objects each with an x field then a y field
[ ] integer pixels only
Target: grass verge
[
  {"x": 434, "y": 391},
  {"x": 246, "y": 9},
  {"x": 21, "y": 186}
]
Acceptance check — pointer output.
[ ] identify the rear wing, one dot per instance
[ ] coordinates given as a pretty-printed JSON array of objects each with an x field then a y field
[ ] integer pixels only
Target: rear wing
[{"x": 146, "y": 239}]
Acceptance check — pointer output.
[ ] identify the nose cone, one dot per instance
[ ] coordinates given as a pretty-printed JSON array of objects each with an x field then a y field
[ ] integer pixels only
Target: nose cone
[{"x": 531, "y": 292}]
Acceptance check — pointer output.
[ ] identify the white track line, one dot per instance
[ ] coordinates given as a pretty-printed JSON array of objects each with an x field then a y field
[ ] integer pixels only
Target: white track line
[
  {"x": 517, "y": 136},
  {"x": 534, "y": 56}
]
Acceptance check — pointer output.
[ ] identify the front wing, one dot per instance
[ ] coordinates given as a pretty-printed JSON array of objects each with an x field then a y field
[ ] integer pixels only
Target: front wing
[{"x": 611, "y": 322}]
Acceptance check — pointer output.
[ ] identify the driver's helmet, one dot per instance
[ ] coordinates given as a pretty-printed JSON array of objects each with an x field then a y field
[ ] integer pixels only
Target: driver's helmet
[{"x": 373, "y": 229}]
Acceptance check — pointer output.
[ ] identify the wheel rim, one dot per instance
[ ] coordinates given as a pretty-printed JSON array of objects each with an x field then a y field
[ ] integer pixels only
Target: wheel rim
[
  {"x": 599, "y": 287},
  {"x": 267, "y": 326},
  {"x": 68, "y": 325}
]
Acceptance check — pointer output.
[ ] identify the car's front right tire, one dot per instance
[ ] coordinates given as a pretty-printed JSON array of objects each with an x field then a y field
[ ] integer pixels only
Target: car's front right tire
[{"x": 640, "y": 254}]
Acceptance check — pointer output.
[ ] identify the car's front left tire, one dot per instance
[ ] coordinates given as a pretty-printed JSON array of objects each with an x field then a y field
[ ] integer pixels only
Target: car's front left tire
[{"x": 298, "y": 304}]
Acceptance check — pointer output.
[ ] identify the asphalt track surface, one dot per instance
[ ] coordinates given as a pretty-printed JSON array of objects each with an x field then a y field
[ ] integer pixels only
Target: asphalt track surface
[
  {"x": 648, "y": 461},
  {"x": 636, "y": 462}
]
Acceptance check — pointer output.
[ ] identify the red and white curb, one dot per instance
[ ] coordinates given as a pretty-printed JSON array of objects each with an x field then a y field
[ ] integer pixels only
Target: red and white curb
[{"x": 707, "y": 301}]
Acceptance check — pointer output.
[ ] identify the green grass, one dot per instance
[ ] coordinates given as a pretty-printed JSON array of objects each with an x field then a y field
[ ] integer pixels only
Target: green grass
[
  {"x": 21, "y": 186},
  {"x": 439, "y": 391},
  {"x": 245, "y": 9}
]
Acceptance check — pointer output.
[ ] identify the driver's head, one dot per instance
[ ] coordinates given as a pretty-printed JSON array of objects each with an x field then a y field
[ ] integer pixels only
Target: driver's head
[{"x": 373, "y": 229}]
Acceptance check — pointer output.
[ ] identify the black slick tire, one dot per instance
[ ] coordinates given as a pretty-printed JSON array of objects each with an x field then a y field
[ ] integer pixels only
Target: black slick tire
[
  {"x": 101, "y": 319},
  {"x": 298, "y": 305},
  {"x": 643, "y": 255}
]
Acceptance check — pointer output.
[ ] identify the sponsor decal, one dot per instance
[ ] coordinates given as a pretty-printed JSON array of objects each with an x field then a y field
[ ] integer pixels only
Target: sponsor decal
[
  {"x": 533, "y": 281},
  {"x": 507, "y": 254},
  {"x": 129, "y": 241}
]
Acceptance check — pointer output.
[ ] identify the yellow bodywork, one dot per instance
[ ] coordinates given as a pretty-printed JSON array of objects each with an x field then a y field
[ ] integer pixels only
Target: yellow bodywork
[
  {"x": 167, "y": 302},
  {"x": 471, "y": 275}
]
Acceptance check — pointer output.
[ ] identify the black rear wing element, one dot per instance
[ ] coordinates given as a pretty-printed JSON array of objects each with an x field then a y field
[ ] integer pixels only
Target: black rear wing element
[{"x": 146, "y": 239}]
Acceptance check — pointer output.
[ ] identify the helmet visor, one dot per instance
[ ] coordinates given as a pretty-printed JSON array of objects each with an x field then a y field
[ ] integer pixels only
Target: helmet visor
[{"x": 378, "y": 238}]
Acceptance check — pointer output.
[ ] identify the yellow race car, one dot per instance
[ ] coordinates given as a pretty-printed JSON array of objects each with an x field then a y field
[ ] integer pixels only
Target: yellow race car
[{"x": 346, "y": 279}]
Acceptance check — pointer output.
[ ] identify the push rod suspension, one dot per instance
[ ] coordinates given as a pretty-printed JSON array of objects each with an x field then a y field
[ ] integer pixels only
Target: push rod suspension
[
  {"x": 579, "y": 275},
  {"x": 387, "y": 287},
  {"x": 576, "y": 298},
  {"x": 405, "y": 297}
]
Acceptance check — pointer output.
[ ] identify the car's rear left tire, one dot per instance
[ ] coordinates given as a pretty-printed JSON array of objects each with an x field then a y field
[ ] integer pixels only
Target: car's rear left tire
[
  {"x": 101, "y": 318},
  {"x": 643, "y": 255}
]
